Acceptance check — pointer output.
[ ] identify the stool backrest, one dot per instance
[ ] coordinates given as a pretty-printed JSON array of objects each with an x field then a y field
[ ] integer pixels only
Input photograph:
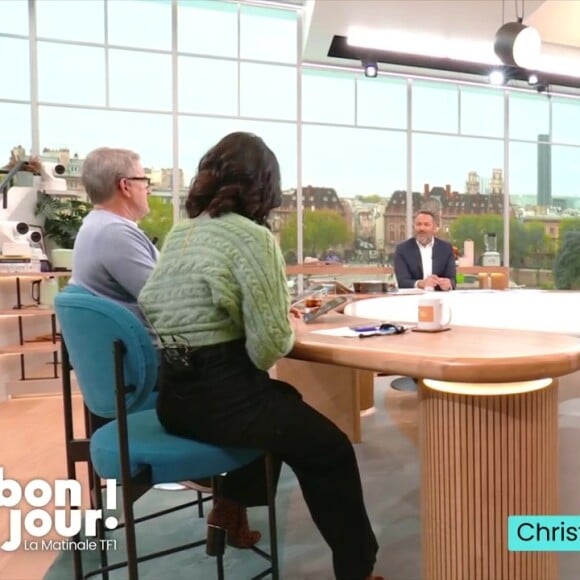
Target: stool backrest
[{"x": 90, "y": 326}]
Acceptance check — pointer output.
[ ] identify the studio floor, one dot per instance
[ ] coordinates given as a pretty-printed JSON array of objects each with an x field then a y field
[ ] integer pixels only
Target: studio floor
[{"x": 31, "y": 445}]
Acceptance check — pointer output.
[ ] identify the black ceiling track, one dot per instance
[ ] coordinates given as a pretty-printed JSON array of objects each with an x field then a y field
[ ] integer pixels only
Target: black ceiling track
[{"x": 339, "y": 48}]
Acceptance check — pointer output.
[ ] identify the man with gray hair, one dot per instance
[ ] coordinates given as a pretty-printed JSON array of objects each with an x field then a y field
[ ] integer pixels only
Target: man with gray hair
[{"x": 112, "y": 257}]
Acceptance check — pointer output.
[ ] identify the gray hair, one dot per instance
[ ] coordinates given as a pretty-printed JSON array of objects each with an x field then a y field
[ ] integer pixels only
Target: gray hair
[{"x": 102, "y": 170}]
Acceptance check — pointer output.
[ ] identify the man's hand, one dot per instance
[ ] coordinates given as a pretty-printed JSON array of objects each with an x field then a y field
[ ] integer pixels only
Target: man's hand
[
  {"x": 444, "y": 284},
  {"x": 429, "y": 282}
]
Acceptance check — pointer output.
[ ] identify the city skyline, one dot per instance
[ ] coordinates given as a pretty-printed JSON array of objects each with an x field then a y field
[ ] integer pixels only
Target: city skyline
[
  {"x": 354, "y": 130},
  {"x": 162, "y": 176},
  {"x": 379, "y": 160}
]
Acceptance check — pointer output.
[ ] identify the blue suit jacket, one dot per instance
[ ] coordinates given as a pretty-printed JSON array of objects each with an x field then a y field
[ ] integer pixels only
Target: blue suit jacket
[{"x": 408, "y": 266}]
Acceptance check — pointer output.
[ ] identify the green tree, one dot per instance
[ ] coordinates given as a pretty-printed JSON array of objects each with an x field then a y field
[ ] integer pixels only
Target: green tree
[
  {"x": 474, "y": 227},
  {"x": 532, "y": 246},
  {"x": 568, "y": 224},
  {"x": 369, "y": 198},
  {"x": 518, "y": 243},
  {"x": 527, "y": 240},
  {"x": 158, "y": 222},
  {"x": 323, "y": 229},
  {"x": 567, "y": 262}
]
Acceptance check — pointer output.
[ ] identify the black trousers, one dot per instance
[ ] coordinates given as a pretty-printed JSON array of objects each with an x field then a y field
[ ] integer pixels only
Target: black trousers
[{"x": 221, "y": 397}]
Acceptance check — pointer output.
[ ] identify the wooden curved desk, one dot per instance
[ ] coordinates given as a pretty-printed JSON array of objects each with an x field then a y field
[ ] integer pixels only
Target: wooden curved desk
[{"x": 488, "y": 432}]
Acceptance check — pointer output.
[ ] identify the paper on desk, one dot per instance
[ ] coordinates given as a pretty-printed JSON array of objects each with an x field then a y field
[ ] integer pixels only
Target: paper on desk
[{"x": 342, "y": 331}]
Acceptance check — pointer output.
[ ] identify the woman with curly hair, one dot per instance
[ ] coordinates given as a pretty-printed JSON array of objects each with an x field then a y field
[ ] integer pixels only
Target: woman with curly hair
[{"x": 219, "y": 290}]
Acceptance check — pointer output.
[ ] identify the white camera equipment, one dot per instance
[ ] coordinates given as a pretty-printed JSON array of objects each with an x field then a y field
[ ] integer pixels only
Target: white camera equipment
[
  {"x": 51, "y": 182},
  {"x": 19, "y": 237},
  {"x": 32, "y": 236},
  {"x": 13, "y": 238},
  {"x": 21, "y": 228}
]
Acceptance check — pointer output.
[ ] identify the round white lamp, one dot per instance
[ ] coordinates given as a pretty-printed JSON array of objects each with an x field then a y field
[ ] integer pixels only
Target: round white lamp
[{"x": 518, "y": 45}]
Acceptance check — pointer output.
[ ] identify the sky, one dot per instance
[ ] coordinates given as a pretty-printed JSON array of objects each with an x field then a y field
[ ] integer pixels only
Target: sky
[{"x": 339, "y": 147}]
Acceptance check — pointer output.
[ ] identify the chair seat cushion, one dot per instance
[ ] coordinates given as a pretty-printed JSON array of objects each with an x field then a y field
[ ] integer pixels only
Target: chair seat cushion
[{"x": 171, "y": 458}]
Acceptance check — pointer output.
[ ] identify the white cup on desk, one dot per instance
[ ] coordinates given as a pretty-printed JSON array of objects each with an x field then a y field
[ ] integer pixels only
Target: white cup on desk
[
  {"x": 44, "y": 292},
  {"x": 433, "y": 313}
]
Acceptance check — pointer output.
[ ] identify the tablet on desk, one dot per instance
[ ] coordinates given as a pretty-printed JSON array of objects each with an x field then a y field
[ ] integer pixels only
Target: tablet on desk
[
  {"x": 306, "y": 294},
  {"x": 324, "y": 309}
]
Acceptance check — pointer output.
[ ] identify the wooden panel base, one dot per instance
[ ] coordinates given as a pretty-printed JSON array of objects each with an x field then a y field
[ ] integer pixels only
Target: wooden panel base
[
  {"x": 484, "y": 458},
  {"x": 330, "y": 389},
  {"x": 366, "y": 389}
]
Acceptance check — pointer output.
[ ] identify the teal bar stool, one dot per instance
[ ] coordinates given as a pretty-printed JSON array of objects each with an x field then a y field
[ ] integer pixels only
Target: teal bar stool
[{"x": 116, "y": 367}]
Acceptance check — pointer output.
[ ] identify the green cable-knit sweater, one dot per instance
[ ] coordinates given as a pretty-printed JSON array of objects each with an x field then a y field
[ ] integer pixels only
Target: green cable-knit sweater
[{"x": 221, "y": 279}]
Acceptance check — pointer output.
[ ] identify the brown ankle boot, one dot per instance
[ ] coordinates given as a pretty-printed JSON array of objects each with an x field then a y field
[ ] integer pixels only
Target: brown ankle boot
[{"x": 233, "y": 518}]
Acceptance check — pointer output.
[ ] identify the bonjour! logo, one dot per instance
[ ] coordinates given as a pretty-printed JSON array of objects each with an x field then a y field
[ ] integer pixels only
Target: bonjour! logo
[{"x": 67, "y": 518}]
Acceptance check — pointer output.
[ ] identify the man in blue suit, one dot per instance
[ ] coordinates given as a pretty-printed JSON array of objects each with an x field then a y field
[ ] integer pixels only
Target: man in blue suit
[{"x": 425, "y": 261}]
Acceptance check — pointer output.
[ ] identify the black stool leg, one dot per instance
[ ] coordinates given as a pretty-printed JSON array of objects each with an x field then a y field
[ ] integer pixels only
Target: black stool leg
[
  {"x": 69, "y": 440},
  {"x": 216, "y": 536},
  {"x": 216, "y": 541},
  {"x": 272, "y": 517},
  {"x": 200, "y": 504},
  {"x": 97, "y": 499}
]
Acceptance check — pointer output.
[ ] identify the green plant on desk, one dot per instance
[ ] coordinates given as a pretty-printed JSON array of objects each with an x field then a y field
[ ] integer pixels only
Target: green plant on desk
[{"x": 62, "y": 218}]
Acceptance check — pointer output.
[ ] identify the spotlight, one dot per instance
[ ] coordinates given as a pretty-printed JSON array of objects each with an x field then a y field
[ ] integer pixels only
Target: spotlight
[
  {"x": 371, "y": 67},
  {"x": 496, "y": 77},
  {"x": 518, "y": 45},
  {"x": 535, "y": 81}
]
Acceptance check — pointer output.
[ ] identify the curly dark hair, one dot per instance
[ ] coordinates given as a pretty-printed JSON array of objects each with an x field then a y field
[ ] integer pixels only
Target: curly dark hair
[{"x": 240, "y": 174}]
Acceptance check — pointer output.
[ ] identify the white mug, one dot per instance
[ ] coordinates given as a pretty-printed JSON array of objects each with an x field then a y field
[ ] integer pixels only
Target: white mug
[
  {"x": 44, "y": 292},
  {"x": 433, "y": 313}
]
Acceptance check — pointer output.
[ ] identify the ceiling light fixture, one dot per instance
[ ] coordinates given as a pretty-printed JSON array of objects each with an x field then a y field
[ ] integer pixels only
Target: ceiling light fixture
[
  {"x": 497, "y": 78},
  {"x": 517, "y": 44},
  {"x": 370, "y": 67},
  {"x": 515, "y": 52},
  {"x": 533, "y": 79},
  {"x": 416, "y": 43},
  {"x": 537, "y": 82}
]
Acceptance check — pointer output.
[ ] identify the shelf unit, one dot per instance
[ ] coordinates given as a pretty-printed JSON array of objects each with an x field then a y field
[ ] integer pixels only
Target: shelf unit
[{"x": 39, "y": 345}]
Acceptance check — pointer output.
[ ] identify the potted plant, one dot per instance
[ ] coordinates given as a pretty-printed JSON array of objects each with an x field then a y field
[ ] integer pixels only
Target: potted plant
[{"x": 62, "y": 219}]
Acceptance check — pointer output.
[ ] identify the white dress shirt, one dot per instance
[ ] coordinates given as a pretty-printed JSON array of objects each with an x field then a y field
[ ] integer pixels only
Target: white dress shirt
[{"x": 426, "y": 259}]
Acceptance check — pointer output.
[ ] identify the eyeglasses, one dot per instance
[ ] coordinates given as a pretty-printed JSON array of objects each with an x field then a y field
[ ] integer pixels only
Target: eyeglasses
[{"x": 147, "y": 180}]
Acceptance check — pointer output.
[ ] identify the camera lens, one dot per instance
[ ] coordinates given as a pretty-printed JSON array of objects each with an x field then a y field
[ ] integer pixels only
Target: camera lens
[
  {"x": 21, "y": 228},
  {"x": 35, "y": 237},
  {"x": 59, "y": 169}
]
